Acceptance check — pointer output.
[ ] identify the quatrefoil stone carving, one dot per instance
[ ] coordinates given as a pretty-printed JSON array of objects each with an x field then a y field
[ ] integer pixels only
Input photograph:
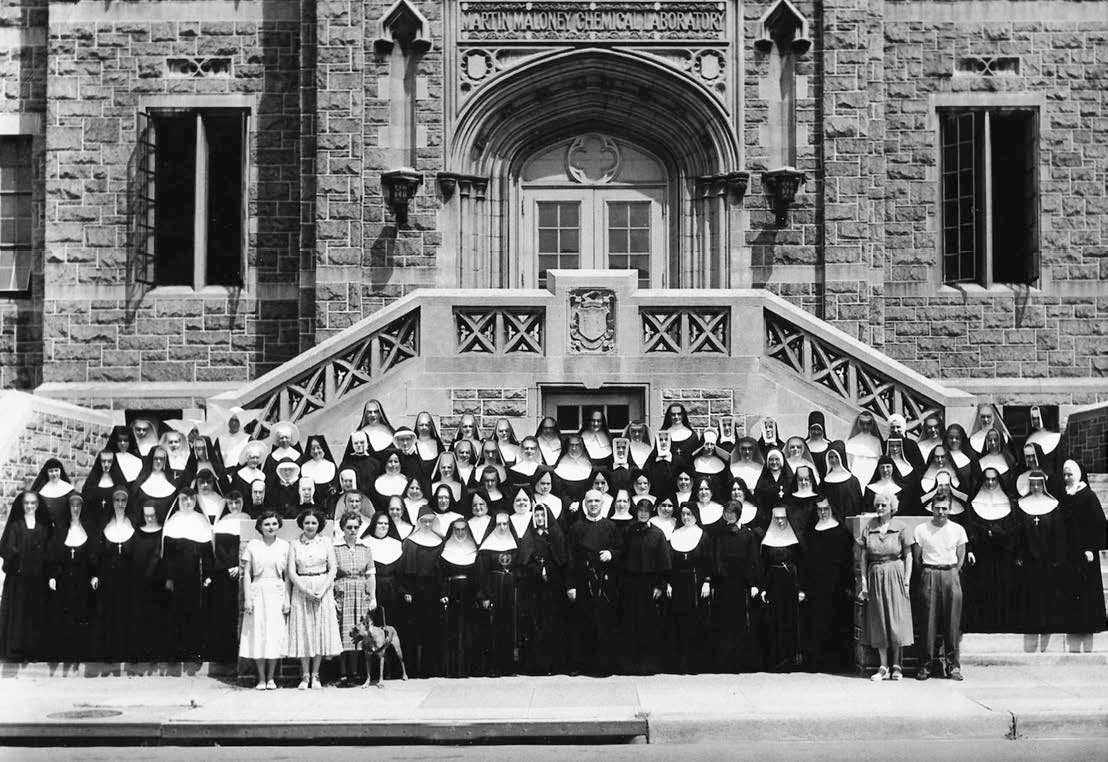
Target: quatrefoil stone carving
[{"x": 593, "y": 158}]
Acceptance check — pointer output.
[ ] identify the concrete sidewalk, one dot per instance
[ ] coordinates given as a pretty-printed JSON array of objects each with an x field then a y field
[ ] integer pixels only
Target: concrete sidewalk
[{"x": 994, "y": 702}]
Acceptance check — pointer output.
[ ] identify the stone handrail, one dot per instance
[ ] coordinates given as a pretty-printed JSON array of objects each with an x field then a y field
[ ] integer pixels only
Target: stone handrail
[
  {"x": 714, "y": 327},
  {"x": 851, "y": 370}
]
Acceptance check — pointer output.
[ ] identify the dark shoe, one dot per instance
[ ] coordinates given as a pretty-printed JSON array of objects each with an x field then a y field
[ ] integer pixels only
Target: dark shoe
[
  {"x": 923, "y": 674},
  {"x": 956, "y": 674}
]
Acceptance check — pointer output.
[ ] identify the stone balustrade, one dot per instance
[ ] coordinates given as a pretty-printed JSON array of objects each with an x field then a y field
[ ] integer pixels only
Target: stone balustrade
[{"x": 591, "y": 329}]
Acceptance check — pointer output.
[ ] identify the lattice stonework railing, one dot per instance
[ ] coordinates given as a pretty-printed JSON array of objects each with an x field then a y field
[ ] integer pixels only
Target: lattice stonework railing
[
  {"x": 500, "y": 331},
  {"x": 845, "y": 375},
  {"x": 697, "y": 330},
  {"x": 340, "y": 374}
]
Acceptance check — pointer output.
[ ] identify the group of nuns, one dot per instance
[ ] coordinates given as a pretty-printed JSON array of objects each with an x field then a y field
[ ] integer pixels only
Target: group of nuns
[{"x": 675, "y": 550}]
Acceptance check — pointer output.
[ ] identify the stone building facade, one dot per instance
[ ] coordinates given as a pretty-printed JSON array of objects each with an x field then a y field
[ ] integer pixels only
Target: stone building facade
[{"x": 918, "y": 229}]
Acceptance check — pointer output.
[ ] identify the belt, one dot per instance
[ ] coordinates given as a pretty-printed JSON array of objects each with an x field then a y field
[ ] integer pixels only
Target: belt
[
  {"x": 883, "y": 559},
  {"x": 312, "y": 574},
  {"x": 458, "y": 577},
  {"x": 347, "y": 576},
  {"x": 939, "y": 567}
]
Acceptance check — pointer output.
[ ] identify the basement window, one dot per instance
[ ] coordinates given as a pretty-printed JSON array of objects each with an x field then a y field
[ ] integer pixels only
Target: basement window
[
  {"x": 989, "y": 196},
  {"x": 191, "y": 216},
  {"x": 15, "y": 214}
]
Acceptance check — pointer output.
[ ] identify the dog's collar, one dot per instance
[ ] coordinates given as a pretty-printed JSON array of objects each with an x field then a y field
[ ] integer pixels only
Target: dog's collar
[{"x": 385, "y": 645}]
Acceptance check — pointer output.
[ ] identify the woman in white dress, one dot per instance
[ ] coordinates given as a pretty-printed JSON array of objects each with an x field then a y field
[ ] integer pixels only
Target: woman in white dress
[
  {"x": 265, "y": 600},
  {"x": 313, "y": 619}
]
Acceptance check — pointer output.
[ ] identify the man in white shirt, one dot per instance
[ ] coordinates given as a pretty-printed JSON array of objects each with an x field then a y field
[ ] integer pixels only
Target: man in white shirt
[{"x": 939, "y": 550}]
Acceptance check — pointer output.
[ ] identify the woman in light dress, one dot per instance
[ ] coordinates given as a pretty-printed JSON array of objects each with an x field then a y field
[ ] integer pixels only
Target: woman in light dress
[
  {"x": 265, "y": 600},
  {"x": 313, "y": 619}
]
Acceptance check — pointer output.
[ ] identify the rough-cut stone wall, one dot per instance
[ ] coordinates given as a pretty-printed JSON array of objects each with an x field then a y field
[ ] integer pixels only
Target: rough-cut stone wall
[
  {"x": 704, "y": 406},
  {"x": 362, "y": 260},
  {"x": 23, "y": 91},
  {"x": 1086, "y": 439},
  {"x": 68, "y": 437},
  {"x": 488, "y": 405},
  {"x": 98, "y": 330},
  {"x": 1063, "y": 330}
]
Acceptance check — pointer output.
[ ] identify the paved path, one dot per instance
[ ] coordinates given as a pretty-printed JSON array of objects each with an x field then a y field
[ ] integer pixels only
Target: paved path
[{"x": 1038, "y": 702}]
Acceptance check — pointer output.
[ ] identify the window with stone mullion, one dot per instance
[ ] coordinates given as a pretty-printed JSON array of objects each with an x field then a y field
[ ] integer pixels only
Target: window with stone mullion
[
  {"x": 198, "y": 197},
  {"x": 989, "y": 196},
  {"x": 15, "y": 213}
]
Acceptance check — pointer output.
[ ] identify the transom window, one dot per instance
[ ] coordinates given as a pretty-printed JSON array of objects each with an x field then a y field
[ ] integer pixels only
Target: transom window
[
  {"x": 989, "y": 196},
  {"x": 15, "y": 213}
]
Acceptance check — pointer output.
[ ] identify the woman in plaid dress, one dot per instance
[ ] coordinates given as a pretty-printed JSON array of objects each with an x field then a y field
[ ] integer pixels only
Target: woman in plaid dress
[{"x": 355, "y": 589}]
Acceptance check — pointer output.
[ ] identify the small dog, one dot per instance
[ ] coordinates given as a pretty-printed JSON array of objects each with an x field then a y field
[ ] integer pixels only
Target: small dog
[{"x": 376, "y": 642}]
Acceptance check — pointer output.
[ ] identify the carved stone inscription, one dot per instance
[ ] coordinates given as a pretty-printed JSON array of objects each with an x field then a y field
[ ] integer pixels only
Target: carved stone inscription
[{"x": 685, "y": 20}]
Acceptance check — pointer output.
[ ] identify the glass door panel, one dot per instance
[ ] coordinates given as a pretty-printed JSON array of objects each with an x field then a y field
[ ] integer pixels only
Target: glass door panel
[
  {"x": 629, "y": 238},
  {"x": 559, "y": 236}
]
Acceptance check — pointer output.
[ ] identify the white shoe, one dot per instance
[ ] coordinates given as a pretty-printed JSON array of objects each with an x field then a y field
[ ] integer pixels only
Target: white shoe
[{"x": 882, "y": 673}]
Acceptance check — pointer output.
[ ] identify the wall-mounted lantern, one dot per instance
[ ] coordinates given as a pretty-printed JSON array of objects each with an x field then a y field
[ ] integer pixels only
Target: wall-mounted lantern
[
  {"x": 782, "y": 185},
  {"x": 399, "y": 187}
]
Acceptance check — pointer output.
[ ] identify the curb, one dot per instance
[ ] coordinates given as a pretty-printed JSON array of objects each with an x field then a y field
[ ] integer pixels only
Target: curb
[
  {"x": 1048, "y": 725},
  {"x": 698, "y": 729}
]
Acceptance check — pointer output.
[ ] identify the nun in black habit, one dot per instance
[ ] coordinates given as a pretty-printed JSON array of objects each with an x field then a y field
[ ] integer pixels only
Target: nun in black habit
[
  {"x": 53, "y": 488},
  {"x": 573, "y": 474},
  {"x": 428, "y": 442},
  {"x": 318, "y": 465},
  {"x": 829, "y": 574},
  {"x": 153, "y": 487},
  {"x": 375, "y": 424},
  {"x": 103, "y": 479},
  {"x": 226, "y": 575},
  {"x": 112, "y": 630},
  {"x": 768, "y": 437},
  {"x": 773, "y": 485},
  {"x": 188, "y": 558},
  {"x": 365, "y": 467},
  {"x": 783, "y": 592},
  {"x": 458, "y": 585},
  {"x": 839, "y": 485},
  {"x": 542, "y": 565},
  {"x": 122, "y": 443},
  {"x": 886, "y": 480},
  {"x": 150, "y": 610},
  {"x": 689, "y": 591},
  {"x": 683, "y": 440},
  {"x": 816, "y": 440},
  {"x": 419, "y": 569},
  {"x": 597, "y": 439},
  {"x": 747, "y": 462},
  {"x": 1085, "y": 534},
  {"x": 72, "y": 580},
  {"x": 25, "y": 550},
  {"x": 989, "y": 593},
  {"x": 498, "y": 568},
  {"x": 801, "y": 500},
  {"x": 1042, "y": 557},
  {"x": 961, "y": 456}
]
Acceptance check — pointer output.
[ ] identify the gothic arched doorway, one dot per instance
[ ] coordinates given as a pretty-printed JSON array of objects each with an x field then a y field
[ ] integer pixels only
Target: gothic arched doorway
[{"x": 511, "y": 141}]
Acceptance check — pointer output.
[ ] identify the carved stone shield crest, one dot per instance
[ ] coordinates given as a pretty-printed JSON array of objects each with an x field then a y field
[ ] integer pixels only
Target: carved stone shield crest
[{"x": 592, "y": 320}]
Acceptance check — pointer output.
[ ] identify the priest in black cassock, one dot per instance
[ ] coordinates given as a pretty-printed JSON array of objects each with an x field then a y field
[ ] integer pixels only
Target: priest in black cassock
[
  {"x": 646, "y": 567},
  {"x": 595, "y": 553}
]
